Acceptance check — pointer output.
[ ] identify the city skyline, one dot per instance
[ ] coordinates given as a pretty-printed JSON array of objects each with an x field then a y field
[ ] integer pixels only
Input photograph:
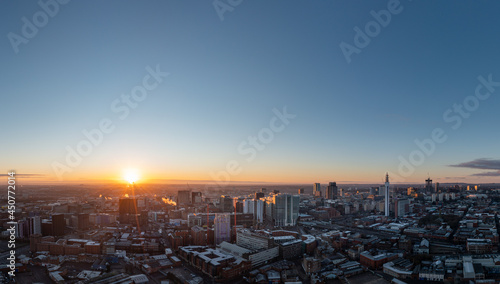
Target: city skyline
[{"x": 305, "y": 96}]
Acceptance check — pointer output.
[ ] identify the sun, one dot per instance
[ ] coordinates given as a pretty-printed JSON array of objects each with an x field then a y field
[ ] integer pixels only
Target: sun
[{"x": 131, "y": 175}]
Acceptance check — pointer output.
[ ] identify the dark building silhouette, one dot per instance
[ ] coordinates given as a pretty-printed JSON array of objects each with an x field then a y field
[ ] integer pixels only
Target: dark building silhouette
[
  {"x": 127, "y": 206},
  {"x": 58, "y": 224},
  {"x": 128, "y": 210},
  {"x": 332, "y": 191},
  {"x": 184, "y": 197},
  {"x": 428, "y": 185},
  {"x": 83, "y": 221},
  {"x": 226, "y": 203}
]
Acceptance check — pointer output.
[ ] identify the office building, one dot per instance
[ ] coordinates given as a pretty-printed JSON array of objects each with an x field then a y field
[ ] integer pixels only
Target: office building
[
  {"x": 58, "y": 224},
  {"x": 260, "y": 206},
  {"x": 249, "y": 206},
  {"x": 184, "y": 197},
  {"x": 428, "y": 185},
  {"x": 196, "y": 197},
  {"x": 222, "y": 225},
  {"x": 332, "y": 191},
  {"x": 284, "y": 209},
  {"x": 34, "y": 225},
  {"x": 401, "y": 207},
  {"x": 127, "y": 206},
  {"x": 317, "y": 189},
  {"x": 226, "y": 203}
]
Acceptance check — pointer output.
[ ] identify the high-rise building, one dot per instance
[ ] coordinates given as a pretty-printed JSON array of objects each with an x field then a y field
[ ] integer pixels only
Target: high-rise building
[
  {"x": 58, "y": 224},
  {"x": 285, "y": 209},
  {"x": 332, "y": 191},
  {"x": 249, "y": 206},
  {"x": 428, "y": 185},
  {"x": 387, "y": 195},
  {"x": 34, "y": 225},
  {"x": 196, "y": 197},
  {"x": 436, "y": 187},
  {"x": 127, "y": 206},
  {"x": 226, "y": 203},
  {"x": 401, "y": 207},
  {"x": 301, "y": 191},
  {"x": 83, "y": 221},
  {"x": 184, "y": 197},
  {"x": 238, "y": 205},
  {"x": 317, "y": 189},
  {"x": 259, "y": 210},
  {"x": 222, "y": 226}
]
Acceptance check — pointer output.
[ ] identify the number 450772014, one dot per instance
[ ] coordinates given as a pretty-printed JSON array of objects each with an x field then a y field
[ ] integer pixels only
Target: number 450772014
[{"x": 11, "y": 192}]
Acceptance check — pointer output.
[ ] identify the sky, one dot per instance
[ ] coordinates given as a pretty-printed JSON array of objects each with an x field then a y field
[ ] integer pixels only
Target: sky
[{"x": 260, "y": 91}]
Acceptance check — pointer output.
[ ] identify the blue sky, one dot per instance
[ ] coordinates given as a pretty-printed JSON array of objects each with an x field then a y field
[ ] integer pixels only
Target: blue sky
[{"x": 353, "y": 120}]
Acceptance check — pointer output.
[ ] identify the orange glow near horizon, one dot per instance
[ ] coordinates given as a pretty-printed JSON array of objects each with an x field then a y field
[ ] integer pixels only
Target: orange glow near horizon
[{"x": 133, "y": 172}]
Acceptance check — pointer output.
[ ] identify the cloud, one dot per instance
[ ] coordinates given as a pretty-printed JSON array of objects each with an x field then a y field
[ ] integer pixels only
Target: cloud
[
  {"x": 487, "y": 174},
  {"x": 482, "y": 164}
]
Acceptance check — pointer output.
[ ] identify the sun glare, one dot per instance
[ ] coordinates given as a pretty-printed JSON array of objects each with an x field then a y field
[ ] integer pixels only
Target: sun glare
[{"x": 131, "y": 175}]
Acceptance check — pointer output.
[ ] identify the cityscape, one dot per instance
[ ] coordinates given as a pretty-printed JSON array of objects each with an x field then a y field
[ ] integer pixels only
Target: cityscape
[{"x": 238, "y": 141}]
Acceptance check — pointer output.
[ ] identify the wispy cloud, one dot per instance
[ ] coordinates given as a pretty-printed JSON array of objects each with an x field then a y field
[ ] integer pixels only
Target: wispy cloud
[
  {"x": 487, "y": 174},
  {"x": 482, "y": 164}
]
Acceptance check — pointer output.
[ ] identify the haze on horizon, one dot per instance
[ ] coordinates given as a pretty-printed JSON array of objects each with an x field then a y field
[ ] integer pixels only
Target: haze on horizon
[{"x": 264, "y": 95}]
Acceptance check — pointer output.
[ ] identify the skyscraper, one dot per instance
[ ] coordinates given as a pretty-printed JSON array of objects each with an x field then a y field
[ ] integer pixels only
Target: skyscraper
[
  {"x": 285, "y": 211},
  {"x": 183, "y": 197},
  {"x": 428, "y": 185},
  {"x": 401, "y": 207},
  {"x": 317, "y": 189},
  {"x": 127, "y": 209},
  {"x": 196, "y": 197},
  {"x": 58, "y": 224},
  {"x": 127, "y": 206},
  {"x": 332, "y": 191},
  {"x": 226, "y": 203},
  {"x": 34, "y": 225},
  {"x": 387, "y": 195},
  {"x": 222, "y": 224}
]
